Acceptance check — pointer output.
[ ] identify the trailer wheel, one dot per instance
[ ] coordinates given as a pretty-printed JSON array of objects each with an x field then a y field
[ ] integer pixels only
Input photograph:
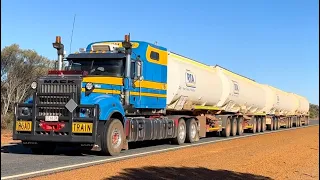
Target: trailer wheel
[
  {"x": 278, "y": 123},
  {"x": 258, "y": 124},
  {"x": 112, "y": 137},
  {"x": 192, "y": 130},
  {"x": 181, "y": 134},
  {"x": 270, "y": 126},
  {"x": 274, "y": 124},
  {"x": 263, "y": 124},
  {"x": 300, "y": 122},
  {"x": 226, "y": 131},
  {"x": 254, "y": 126},
  {"x": 233, "y": 126},
  {"x": 239, "y": 126},
  {"x": 295, "y": 122},
  {"x": 291, "y": 123},
  {"x": 306, "y": 121}
]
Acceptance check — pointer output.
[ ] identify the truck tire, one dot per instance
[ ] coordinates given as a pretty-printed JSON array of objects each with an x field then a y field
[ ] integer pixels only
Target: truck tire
[
  {"x": 258, "y": 124},
  {"x": 263, "y": 124},
  {"x": 233, "y": 126},
  {"x": 299, "y": 122},
  {"x": 306, "y": 123},
  {"x": 181, "y": 132},
  {"x": 239, "y": 126},
  {"x": 254, "y": 126},
  {"x": 226, "y": 130},
  {"x": 270, "y": 126},
  {"x": 112, "y": 137},
  {"x": 274, "y": 127},
  {"x": 192, "y": 130}
]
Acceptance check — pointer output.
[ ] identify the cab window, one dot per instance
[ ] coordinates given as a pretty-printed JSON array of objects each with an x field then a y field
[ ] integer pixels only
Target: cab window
[{"x": 154, "y": 56}]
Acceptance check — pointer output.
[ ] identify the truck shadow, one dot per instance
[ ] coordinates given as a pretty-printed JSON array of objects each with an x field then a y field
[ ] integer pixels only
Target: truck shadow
[
  {"x": 69, "y": 151},
  {"x": 15, "y": 149},
  {"x": 183, "y": 173}
]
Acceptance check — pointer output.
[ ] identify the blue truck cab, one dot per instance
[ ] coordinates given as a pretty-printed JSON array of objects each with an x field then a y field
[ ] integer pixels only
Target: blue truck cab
[{"x": 112, "y": 93}]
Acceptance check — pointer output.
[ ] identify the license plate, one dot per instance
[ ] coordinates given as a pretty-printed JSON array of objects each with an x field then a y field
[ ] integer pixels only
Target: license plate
[
  {"x": 78, "y": 127},
  {"x": 23, "y": 125},
  {"x": 51, "y": 118}
]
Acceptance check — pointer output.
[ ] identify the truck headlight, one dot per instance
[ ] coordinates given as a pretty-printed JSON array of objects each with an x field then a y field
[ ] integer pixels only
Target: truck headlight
[
  {"x": 34, "y": 85},
  {"x": 89, "y": 86},
  {"x": 25, "y": 111}
]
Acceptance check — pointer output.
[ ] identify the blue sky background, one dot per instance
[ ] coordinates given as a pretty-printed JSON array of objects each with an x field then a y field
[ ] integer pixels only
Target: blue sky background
[{"x": 275, "y": 42}]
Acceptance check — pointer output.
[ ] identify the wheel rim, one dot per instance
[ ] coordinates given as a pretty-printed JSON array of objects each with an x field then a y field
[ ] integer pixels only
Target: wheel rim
[
  {"x": 193, "y": 130},
  {"x": 234, "y": 127},
  {"x": 116, "y": 138},
  {"x": 182, "y": 132},
  {"x": 240, "y": 127}
]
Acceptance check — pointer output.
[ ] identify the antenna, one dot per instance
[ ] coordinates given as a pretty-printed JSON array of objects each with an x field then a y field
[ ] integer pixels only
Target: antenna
[{"x": 74, "y": 20}]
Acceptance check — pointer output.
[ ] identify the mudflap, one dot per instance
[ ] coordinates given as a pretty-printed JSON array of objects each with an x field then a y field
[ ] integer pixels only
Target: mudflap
[{"x": 202, "y": 124}]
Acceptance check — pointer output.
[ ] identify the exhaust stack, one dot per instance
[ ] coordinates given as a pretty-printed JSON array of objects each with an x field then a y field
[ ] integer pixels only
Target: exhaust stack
[{"x": 60, "y": 50}]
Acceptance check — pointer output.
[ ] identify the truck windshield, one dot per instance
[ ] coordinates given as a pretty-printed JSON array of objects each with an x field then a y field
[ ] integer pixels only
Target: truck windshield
[{"x": 101, "y": 67}]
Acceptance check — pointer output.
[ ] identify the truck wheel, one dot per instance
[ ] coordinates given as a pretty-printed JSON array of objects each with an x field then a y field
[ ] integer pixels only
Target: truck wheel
[
  {"x": 270, "y": 126},
  {"x": 306, "y": 123},
  {"x": 254, "y": 126},
  {"x": 300, "y": 122},
  {"x": 181, "y": 134},
  {"x": 239, "y": 126},
  {"x": 263, "y": 124},
  {"x": 226, "y": 130},
  {"x": 258, "y": 125},
  {"x": 112, "y": 137},
  {"x": 233, "y": 126},
  {"x": 274, "y": 127},
  {"x": 192, "y": 130}
]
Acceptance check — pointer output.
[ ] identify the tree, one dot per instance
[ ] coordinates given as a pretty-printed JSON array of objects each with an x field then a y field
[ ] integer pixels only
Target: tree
[
  {"x": 314, "y": 111},
  {"x": 19, "y": 68}
]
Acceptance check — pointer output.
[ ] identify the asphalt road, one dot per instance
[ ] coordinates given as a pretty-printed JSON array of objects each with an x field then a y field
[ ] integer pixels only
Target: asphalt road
[{"x": 17, "y": 162}]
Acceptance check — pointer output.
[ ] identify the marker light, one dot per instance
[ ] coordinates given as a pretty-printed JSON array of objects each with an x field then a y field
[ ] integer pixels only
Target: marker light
[
  {"x": 34, "y": 85},
  {"x": 89, "y": 86}
]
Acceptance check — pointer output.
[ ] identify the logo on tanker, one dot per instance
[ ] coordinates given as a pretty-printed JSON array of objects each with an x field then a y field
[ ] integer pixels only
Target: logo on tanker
[{"x": 190, "y": 79}]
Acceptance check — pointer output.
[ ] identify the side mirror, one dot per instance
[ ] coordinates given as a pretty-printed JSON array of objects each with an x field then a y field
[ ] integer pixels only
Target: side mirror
[{"x": 138, "y": 73}]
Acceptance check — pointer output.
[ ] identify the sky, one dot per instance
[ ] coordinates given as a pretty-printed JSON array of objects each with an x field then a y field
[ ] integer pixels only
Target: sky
[{"x": 273, "y": 42}]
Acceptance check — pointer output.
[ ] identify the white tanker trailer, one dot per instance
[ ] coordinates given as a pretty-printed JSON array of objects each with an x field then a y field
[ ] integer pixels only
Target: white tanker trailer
[{"x": 230, "y": 102}]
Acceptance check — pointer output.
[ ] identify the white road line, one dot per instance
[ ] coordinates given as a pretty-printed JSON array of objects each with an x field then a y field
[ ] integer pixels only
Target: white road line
[{"x": 144, "y": 153}]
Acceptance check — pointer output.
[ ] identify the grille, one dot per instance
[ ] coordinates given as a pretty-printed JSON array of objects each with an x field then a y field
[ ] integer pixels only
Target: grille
[
  {"x": 58, "y": 88},
  {"x": 58, "y": 100}
]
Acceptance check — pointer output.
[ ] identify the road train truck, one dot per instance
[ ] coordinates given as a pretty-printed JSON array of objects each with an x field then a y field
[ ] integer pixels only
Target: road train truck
[{"x": 116, "y": 92}]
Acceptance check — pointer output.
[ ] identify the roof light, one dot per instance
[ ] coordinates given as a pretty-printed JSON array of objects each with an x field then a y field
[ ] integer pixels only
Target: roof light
[{"x": 82, "y": 50}]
